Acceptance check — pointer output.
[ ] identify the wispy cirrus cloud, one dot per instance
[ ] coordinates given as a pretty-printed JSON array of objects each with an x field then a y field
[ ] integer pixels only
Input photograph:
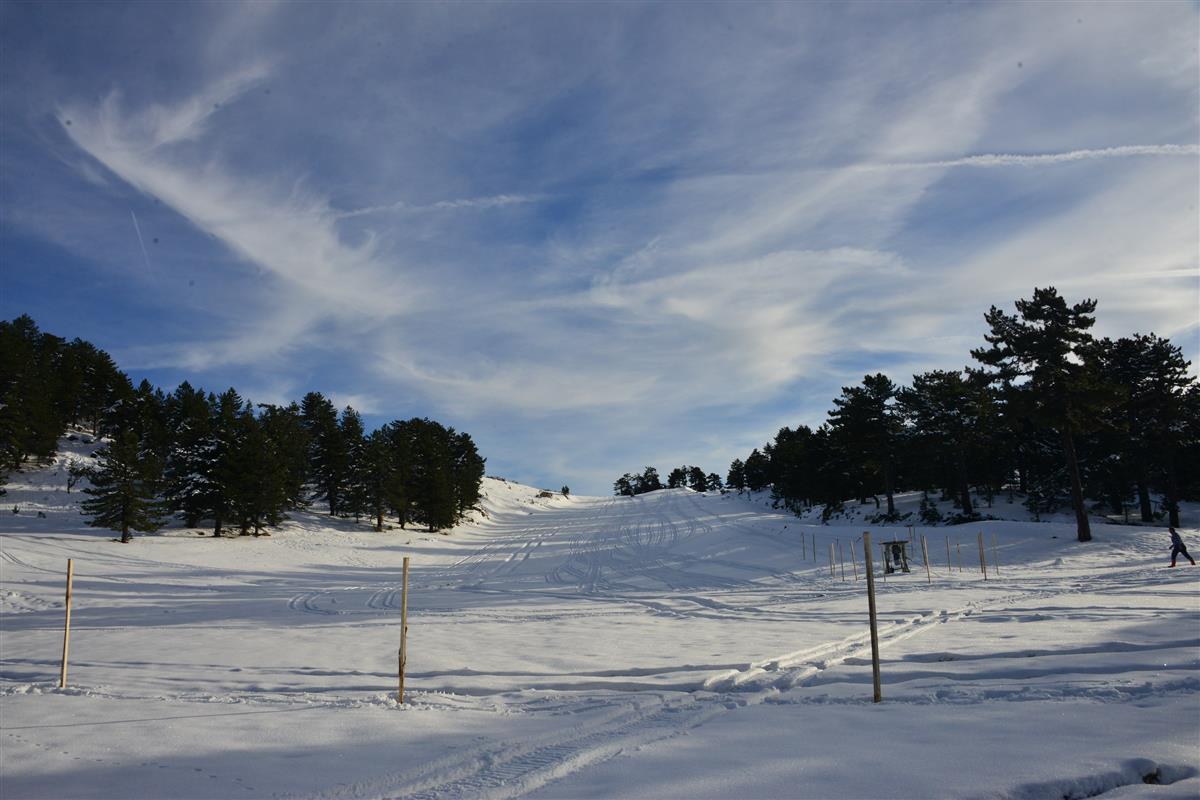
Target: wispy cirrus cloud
[
  {"x": 1043, "y": 159},
  {"x": 498, "y": 201},
  {"x": 284, "y": 230},
  {"x": 603, "y": 236}
]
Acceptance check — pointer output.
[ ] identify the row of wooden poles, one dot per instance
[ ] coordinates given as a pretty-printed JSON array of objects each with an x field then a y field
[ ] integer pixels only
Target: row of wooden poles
[
  {"x": 403, "y": 661},
  {"x": 866, "y": 540},
  {"x": 837, "y": 556}
]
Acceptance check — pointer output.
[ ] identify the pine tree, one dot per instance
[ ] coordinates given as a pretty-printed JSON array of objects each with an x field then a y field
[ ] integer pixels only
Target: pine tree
[
  {"x": 947, "y": 413},
  {"x": 255, "y": 477},
  {"x": 869, "y": 429},
  {"x": 328, "y": 459},
  {"x": 353, "y": 443},
  {"x": 400, "y": 499},
  {"x": 697, "y": 480},
  {"x": 736, "y": 479},
  {"x": 757, "y": 471},
  {"x": 648, "y": 481},
  {"x": 190, "y": 467},
  {"x": 379, "y": 475},
  {"x": 433, "y": 479},
  {"x": 30, "y": 412},
  {"x": 1151, "y": 378},
  {"x": 289, "y": 439},
  {"x": 224, "y": 468},
  {"x": 124, "y": 489},
  {"x": 468, "y": 470},
  {"x": 1047, "y": 342},
  {"x": 677, "y": 477}
]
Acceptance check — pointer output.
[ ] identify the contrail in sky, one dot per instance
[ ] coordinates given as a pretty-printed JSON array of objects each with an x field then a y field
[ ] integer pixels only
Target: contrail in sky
[
  {"x": 1013, "y": 159},
  {"x": 145, "y": 255}
]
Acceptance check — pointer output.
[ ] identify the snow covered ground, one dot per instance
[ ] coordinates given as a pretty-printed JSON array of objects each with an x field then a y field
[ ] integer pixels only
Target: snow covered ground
[{"x": 671, "y": 645}]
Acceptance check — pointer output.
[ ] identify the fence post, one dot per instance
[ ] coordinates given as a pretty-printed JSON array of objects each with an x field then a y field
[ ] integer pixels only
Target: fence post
[
  {"x": 62, "y": 676},
  {"x": 831, "y": 559},
  {"x": 949, "y": 563},
  {"x": 842, "y": 559},
  {"x": 403, "y": 628},
  {"x": 874, "y": 624},
  {"x": 854, "y": 561},
  {"x": 982, "y": 557},
  {"x": 803, "y": 546},
  {"x": 925, "y": 555}
]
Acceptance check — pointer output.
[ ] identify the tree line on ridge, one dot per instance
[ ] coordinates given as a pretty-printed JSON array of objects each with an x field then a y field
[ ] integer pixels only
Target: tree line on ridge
[{"x": 220, "y": 459}]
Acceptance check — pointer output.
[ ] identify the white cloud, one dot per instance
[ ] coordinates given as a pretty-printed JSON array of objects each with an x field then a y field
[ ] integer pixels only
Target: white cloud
[
  {"x": 288, "y": 232},
  {"x": 714, "y": 211}
]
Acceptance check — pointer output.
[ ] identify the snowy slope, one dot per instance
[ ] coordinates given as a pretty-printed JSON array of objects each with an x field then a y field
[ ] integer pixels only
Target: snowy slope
[{"x": 668, "y": 645}]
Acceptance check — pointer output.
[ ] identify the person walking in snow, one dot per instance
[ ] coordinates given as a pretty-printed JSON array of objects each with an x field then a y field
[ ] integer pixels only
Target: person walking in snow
[{"x": 1177, "y": 548}]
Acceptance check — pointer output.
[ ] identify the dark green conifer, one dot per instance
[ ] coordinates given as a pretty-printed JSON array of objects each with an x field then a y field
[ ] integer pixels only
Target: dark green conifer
[
  {"x": 1046, "y": 343},
  {"x": 123, "y": 494}
]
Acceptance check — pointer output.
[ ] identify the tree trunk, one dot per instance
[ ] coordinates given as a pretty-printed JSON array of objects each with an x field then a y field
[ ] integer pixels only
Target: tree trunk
[
  {"x": 1146, "y": 508},
  {"x": 1081, "y": 518},
  {"x": 126, "y": 538},
  {"x": 1172, "y": 492},
  {"x": 379, "y": 519},
  {"x": 964, "y": 487}
]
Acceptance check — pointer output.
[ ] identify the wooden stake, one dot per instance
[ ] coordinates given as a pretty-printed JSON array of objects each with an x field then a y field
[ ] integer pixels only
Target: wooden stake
[
  {"x": 831, "y": 559},
  {"x": 949, "y": 563},
  {"x": 877, "y": 684},
  {"x": 803, "y": 546},
  {"x": 982, "y": 557},
  {"x": 854, "y": 561},
  {"x": 62, "y": 677},
  {"x": 925, "y": 555},
  {"x": 403, "y": 628},
  {"x": 842, "y": 559},
  {"x": 958, "y": 552}
]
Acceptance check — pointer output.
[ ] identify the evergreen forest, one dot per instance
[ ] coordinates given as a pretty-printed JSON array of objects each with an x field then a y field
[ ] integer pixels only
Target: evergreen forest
[
  {"x": 1046, "y": 410},
  {"x": 218, "y": 460}
]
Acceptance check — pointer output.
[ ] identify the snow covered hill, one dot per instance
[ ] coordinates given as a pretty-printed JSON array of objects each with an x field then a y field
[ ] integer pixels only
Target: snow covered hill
[{"x": 669, "y": 645}]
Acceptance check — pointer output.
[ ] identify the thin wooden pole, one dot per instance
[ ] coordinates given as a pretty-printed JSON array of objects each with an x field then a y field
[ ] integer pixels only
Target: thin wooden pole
[
  {"x": 995, "y": 555},
  {"x": 62, "y": 677},
  {"x": 803, "y": 546},
  {"x": 949, "y": 563},
  {"x": 958, "y": 553},
  {"x": 842, "y": 559},
  {"x": 403, "y": 628},
  {"x": 925, "y": 555},
  {"x": 854, "y": 561},
  {"x": 831, "y": 559},
  {"x": 876, "y": 683},
  {"x": 982, "y": 557}
]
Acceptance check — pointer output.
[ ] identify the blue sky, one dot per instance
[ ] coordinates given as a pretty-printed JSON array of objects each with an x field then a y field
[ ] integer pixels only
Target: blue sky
[{"x": 594, "y": 236}]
